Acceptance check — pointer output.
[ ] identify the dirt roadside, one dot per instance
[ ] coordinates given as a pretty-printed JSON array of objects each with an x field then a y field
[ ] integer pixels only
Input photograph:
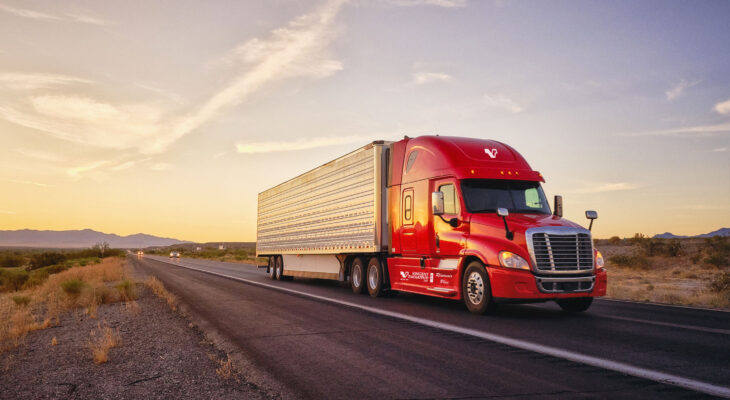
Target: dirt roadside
[{"x": 160, "y": 355}]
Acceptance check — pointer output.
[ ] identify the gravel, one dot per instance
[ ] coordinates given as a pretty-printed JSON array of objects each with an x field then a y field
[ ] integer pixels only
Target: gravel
[{"x": 162, "y": 355}]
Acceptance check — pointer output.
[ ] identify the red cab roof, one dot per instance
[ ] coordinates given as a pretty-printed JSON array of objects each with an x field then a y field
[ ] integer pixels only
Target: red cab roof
[{"x": 463, "y": 158}]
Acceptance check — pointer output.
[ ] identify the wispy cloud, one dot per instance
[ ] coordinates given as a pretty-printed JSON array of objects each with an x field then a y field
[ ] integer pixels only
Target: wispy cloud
[
  {"x": 45, "y": 16},
  {"x": 22, "y": 182},
  {"x": 723, "y": 107},
  {"x": 689, "y": 130},
  {"x": 299, "y": 49},
  {"x": 720, "y": 150},
  {"x": 24, "y": 81},
  {"x": 503, "y": 102},
  {"x": 161, "y": 167},
  {"x": 82, "y": 169},
  {"x": 302, "y": 144},
  {"x": 606, "y": 187},
  {"x": 678, "y": 89},
  {"x": 438, "y": 3},
  {"x": 38, "y": 154},
  {"x": 421, "y": 78},
  {"x": 7, "y": 212}
]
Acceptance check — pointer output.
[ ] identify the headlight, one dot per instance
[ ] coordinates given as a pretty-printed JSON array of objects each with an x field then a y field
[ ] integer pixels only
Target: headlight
[
  {"x": 599, "y": 260},
  {"x": 512, "y": 260}
]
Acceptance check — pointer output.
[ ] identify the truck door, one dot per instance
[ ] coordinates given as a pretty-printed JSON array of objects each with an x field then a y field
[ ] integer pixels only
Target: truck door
[{"x": 448, "y": 240}]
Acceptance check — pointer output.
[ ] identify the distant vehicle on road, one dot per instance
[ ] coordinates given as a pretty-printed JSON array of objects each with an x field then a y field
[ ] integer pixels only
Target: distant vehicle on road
[
  {"x": 174, "y": 254},
  {"x": 140, "y": 253},
  {"x": 450, "y": 217}
]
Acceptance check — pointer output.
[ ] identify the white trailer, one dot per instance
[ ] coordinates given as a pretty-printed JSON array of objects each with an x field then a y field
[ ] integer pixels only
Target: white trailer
[{"x": 314, "y": 220}]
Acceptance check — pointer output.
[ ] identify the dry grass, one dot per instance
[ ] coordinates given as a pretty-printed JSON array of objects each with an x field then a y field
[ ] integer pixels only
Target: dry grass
[
  {"x": 102, "y": 339},
  {"x": 89, "y": 287},
  {"x": 54, "y": 341},
  {"x": 226, "y": 370},
  {"x": 159, "y": 289},
  {"x": 661, "y": 279}
]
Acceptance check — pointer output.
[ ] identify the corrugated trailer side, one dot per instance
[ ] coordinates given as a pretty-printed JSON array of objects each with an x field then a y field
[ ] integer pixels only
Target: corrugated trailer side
[{"x": 337, "y": 208}]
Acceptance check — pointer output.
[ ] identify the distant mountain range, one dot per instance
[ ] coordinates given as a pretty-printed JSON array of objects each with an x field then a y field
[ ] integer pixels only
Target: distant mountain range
[
  {"x": 80, "y": 239},
  {"x": 719, "y": 232}
]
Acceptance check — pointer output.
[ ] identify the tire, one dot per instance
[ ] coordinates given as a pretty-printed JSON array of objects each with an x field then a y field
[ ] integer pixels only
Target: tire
[
  {"x": 357, "y": 276},
  {"x": 476, "y": 289},
  {"x": 273, "y": 261},
  {"x": 575, "y": 305},
  {"x": 280, "y": 268},
  {"x": 375, "y": 277}
]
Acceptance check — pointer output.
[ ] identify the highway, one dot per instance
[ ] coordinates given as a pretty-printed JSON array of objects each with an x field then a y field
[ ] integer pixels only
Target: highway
[{"x": 320, "y": 340}]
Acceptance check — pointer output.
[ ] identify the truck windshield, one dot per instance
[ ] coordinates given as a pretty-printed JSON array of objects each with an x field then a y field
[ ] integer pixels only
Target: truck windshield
[{"x": 486, "y": 195}]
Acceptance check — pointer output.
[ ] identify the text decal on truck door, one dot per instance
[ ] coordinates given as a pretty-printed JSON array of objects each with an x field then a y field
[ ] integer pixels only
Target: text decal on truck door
[{"x": 492, "y": 153}]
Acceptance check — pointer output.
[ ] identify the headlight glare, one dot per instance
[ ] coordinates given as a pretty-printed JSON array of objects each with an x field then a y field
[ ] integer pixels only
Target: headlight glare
[
  {"x": 599, "y": 260},
  {"x": 512, "y": 260}
]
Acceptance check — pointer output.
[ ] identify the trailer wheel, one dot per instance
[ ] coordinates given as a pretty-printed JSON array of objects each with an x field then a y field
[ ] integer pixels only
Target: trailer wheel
[
  {"x": 280, "y": 268},
  {"x": 375, "y": 277},
  {"x": 274, "y": 263},
  {"x": 575, "y": 305},
  {"x": 476, "y": 290},
  {"x": 357, "y": 276}
]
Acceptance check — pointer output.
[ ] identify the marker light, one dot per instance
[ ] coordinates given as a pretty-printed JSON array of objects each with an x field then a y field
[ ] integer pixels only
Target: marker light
[
  {"x": 599, "y": 259},
  {"x": 512, "y": 260}
]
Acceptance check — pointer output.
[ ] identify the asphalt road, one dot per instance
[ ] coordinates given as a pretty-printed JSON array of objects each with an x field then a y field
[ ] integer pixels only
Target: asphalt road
[{"x": 322, "y": 341}]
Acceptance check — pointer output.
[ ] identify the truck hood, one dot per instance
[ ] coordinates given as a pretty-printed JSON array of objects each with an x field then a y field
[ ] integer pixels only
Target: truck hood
[
  {"x": 519, "y": 223},
  {"x": 488, "y": 229}
]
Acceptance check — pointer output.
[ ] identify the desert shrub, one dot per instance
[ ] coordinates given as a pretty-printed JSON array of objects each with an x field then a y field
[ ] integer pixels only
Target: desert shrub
[
  {"x": 45, "y": 259},
  {"x": 673, "y": 248},
  {"x": 721, "y": 283},
  {"x": 717, "y": 249},
  {"x": 12, "y": 280},
  {"x": 21, "y": 300},
  {"x": 72, "y": 286},
  {"x": 126, "y": 290},
  {"x": 638, "y": 238},
  {"x": 652, "y": 246},
  {"x": 614, "y": 240},
  {"x": 11, "y": 260},
  {"x": 635, "y": 261}
]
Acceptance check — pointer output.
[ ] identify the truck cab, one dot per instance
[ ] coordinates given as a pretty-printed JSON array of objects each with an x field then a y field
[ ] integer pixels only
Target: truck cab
[{"x": 469, "y": 220}]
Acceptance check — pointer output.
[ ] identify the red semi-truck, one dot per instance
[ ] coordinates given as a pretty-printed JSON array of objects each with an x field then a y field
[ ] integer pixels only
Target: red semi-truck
[{"x": 450, "y": 217}]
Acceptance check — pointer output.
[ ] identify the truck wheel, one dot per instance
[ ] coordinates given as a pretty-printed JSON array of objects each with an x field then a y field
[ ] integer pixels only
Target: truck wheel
[
  {"x": 357, "y": 276},
  {"x": 476, "y": 289},
  {"x": 574, "y": 305},
  {"x": 280, "y": 268},
  {"x": 273, "y": 266},
  {"x": 375, "y": 277}
]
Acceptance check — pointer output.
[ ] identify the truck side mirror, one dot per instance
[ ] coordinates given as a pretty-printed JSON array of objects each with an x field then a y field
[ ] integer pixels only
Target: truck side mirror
[
  {"x": 437, "y": 202},
  {"x": 590, "y": 214},
  {"x": 558, "y": 208},
  {"x": 504, "y": 213}
]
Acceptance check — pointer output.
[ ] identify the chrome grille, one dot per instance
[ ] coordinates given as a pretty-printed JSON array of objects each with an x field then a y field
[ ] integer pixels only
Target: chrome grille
[{"x": 558, "y": 252}]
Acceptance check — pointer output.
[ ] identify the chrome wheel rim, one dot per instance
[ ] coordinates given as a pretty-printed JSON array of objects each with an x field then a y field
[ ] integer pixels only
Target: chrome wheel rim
[
  {"x": 373, "y": 277},
  {"x": 356, "y": 272},
  {"x": 475, "y": 288}
]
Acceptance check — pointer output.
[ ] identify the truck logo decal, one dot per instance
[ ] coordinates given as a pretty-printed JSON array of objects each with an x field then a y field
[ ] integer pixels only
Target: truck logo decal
[
  {"x": 404, "y": 274},
  {"x": 492, "y": 153}
]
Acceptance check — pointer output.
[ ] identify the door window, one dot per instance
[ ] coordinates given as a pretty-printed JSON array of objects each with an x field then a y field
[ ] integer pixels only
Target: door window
[
  {"x": 408, "y": 208},
  {"x": 451, "y": 204}
]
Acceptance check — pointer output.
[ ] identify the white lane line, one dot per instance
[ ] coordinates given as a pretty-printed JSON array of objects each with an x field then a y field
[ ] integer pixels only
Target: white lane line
[
  {"x": 645, "y": 303},
  {"x": 691, "y": 327},
  {"x": 691, "y": 384}
]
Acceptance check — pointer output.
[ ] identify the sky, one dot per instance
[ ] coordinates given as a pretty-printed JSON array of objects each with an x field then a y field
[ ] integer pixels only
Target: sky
[{"x": 169, "y": 117}]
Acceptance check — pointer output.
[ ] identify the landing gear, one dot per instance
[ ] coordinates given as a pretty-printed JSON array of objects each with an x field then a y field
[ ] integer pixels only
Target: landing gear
[{"x": 275, "y": 267}]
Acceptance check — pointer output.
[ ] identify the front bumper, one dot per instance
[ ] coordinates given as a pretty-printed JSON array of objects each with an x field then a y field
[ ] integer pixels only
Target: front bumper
[{"x": 510, "y": 284}]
